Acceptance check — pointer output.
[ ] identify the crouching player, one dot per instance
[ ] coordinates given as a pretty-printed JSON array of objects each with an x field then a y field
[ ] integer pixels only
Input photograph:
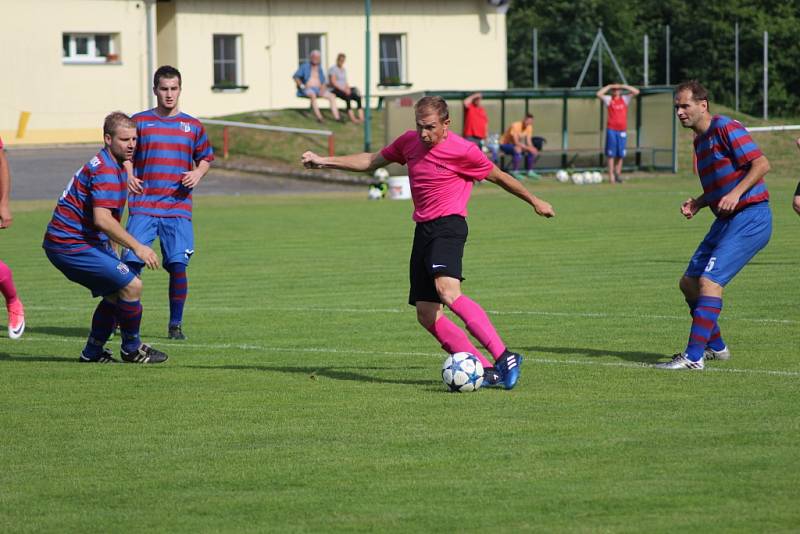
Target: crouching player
[
  {"x": 442, "y": 168},
  {"x": 77, "y": 243}
]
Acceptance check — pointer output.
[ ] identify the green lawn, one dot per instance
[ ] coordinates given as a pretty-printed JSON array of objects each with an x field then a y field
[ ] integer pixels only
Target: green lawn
[{"x": 308, "y": 399}]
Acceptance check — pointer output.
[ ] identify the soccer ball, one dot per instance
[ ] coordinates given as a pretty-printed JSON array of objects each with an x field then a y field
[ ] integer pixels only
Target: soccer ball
[
  {"x": 381, "y": 174},
  {"x": 462, "y": 372},
  {"x": 597, "y": 177},
  {"x": 562, "y": 176},
  {"x": 577, "y": 178}
]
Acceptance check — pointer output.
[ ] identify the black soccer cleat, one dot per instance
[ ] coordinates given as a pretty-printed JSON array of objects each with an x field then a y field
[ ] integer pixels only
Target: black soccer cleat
[
  {"x": 144, "y": 354},
  {"x": 175, "y": 332},
  {"x": 104, "y": 357},
  {"x": 492, "y": 378}
]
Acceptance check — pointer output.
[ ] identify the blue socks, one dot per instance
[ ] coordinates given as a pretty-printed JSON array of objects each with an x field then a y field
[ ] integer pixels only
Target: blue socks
[
  {"x": 129, "y": 317},
  {"x": 103, "y": 323},
  {"x": 704, "y": 326},
  {"x": 178, "y": 290}
]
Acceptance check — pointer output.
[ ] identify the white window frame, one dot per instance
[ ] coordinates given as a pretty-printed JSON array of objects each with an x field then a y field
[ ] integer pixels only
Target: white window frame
[
  {"x": 323, "y": 46},
  {"x": 403, "y": 62},
  {"x": 237, "y": 60},
  {"x": 92, "y": 54}
]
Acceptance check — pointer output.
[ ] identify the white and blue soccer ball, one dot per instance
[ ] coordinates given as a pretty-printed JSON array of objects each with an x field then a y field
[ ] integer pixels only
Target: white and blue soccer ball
[
  {"x": 562, "y": 176},
  {"x": 381, "y": 174},
  {"x": 577, "y": 178},
  {"x": 462, "y": 372}
]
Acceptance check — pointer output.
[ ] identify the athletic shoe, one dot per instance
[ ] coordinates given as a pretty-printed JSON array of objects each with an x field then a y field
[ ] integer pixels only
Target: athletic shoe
[
  {"x": 711, "y": 354},
  {"x": 680, "y": 362},
  {"x": 519, "y": 175},
  {"x": 491, "y": 378},
  {"x": 16, "y": 319},
  {"x": 144, "y": 354},
  {"x": 105, "y": 357},
  {"x": 508, "y": 365},
  {"x": 533, "y": 174},
  {"x": 618, "y": 179},
  {"x": 175, "y": 332}
]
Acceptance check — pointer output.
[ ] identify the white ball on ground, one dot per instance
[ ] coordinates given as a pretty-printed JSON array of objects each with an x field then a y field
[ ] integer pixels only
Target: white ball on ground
[
  {"x": 577, "y": 178},
  {"x": 562, "y": 176},
  {"x": 462, "y": 372}
]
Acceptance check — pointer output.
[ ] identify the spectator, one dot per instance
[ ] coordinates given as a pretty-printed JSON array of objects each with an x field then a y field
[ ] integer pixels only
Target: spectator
[
  {"x": 310, "y": 81},
  {"x": 617, "y": 126},
  {"x": 518, "y": 140},
  {"x": 476, "y": 124},
  {"x": 337, "y": 76}
]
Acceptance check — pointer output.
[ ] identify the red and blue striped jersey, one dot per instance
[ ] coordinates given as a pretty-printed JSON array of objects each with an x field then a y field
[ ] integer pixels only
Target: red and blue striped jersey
[
  {"x": 103, "y": 183},
  {"x": 167, "y": 148},
  {"x": 724, "y": 155}
]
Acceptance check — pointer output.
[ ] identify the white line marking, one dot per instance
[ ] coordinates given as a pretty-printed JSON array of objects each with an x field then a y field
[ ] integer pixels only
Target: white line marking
[
  {"x": 409, "y": 309},
  {"x": 321, "y": 350}
]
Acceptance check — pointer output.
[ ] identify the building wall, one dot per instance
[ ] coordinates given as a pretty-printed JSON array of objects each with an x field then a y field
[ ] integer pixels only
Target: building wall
[
  {"x": 67, "y": 102},
  {"x": 451, "y": 44}
]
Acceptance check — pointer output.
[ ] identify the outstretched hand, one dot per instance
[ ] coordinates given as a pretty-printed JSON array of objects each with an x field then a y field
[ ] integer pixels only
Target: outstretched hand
[
  {"x": 544, "y": 209},
  {"x": 311, "y": 160}
]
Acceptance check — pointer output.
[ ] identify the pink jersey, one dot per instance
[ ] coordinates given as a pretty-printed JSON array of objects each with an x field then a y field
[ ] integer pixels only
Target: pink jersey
[{"x": 441, "y": 176}]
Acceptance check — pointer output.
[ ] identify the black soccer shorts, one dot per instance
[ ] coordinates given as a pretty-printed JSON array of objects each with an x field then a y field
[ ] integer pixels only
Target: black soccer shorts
[{"x": 437, "y": 250}]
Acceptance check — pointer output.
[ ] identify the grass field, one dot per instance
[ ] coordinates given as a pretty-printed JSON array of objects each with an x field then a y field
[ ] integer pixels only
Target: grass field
[{"x": 308, "y": 399}]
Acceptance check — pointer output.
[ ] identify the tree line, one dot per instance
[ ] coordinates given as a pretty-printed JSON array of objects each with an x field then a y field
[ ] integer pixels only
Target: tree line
[{"x": 701, "y": 45}]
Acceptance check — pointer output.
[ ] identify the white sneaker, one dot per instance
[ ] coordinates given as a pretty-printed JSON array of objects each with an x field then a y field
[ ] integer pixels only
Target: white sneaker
[
  {"x": 711, "y": 354},
  {"x": 681, "y": 363}
]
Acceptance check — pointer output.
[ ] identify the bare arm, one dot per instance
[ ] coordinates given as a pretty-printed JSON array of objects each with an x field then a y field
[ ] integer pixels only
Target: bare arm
[
  {"x": 5, "y": 191},
  {"x": 631, "y": 89},
  {"x": 602, "y": 92},
  {"x": 468, "y": 101},
  {"x": 543, "y": 208},
  {"x": 365, "y": 161},
  {"x": 759, "y": 167},
  {"x": 106, "y": 223},
  {"x": 192, "y": 178}
]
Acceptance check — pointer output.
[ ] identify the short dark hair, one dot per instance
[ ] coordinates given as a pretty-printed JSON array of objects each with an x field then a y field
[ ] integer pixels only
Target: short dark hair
[
  {"x": 696, "y": 88},
  {"x": 529, "y": 115},
  {"x": 166, "y": 71},
  {"x": 116, "y": 120},
  {"x": 433, "y": 103}
]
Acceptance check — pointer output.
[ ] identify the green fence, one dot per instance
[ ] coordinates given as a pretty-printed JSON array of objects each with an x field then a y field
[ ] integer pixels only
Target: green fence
[{"x": 571, "y": 120}]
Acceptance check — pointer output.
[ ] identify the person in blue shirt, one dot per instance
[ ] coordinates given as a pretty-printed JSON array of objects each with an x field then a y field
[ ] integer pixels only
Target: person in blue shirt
[{"x": 310, "y": 81}]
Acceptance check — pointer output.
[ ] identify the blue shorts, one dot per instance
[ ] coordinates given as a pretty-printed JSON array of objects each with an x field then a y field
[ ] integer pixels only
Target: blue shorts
[
  {"x": 97, "y": 269},
  {"x": 175, "y": 234},
  {"x": 731, "y": 243},
  {"x": 615, "y": 143}
]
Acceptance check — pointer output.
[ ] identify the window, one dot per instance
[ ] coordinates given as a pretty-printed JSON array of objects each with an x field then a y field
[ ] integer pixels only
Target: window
[
  {"x": 90, "y": 47},
  {"x": 392, "y": 59},
  {"x": 227, "y": 62},
  {"x": 306, "y": 42}
]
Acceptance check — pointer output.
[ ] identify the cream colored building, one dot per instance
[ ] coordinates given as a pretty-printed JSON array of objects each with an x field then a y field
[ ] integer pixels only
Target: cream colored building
[{"x": 69, "y": 62}]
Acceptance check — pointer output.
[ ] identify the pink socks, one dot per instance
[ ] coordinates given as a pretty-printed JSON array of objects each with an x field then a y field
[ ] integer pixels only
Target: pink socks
[
  {"x": 453, "y": 339},
  {"x": 7, "y": 284},
  {"x": 478, "y": 324}
]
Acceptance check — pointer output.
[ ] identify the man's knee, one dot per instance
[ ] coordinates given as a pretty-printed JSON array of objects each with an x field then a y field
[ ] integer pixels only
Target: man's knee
[
  {"x": 132, "y": 291},
  {"x": 709, "y": 288},
  {"x": 689, "y": 286}
]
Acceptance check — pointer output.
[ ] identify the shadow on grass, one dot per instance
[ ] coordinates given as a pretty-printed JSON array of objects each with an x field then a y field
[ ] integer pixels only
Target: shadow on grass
[
  {"x": 335, "y": 373},
  {"x": 5, "y": 357},
  {"x": 629, "y": 355},
  {"x": 62, "y": 331}
]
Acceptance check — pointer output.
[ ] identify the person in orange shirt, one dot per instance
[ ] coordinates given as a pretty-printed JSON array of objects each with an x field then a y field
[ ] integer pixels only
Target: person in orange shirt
[{"x": 518, "y": 140}]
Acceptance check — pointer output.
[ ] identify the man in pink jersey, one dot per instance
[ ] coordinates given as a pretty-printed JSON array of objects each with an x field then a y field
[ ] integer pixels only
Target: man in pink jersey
[
  {"x": 443, "y": 167},
  {"x": 16, "y": 313},
  {"x": 616, "y": 126}
]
